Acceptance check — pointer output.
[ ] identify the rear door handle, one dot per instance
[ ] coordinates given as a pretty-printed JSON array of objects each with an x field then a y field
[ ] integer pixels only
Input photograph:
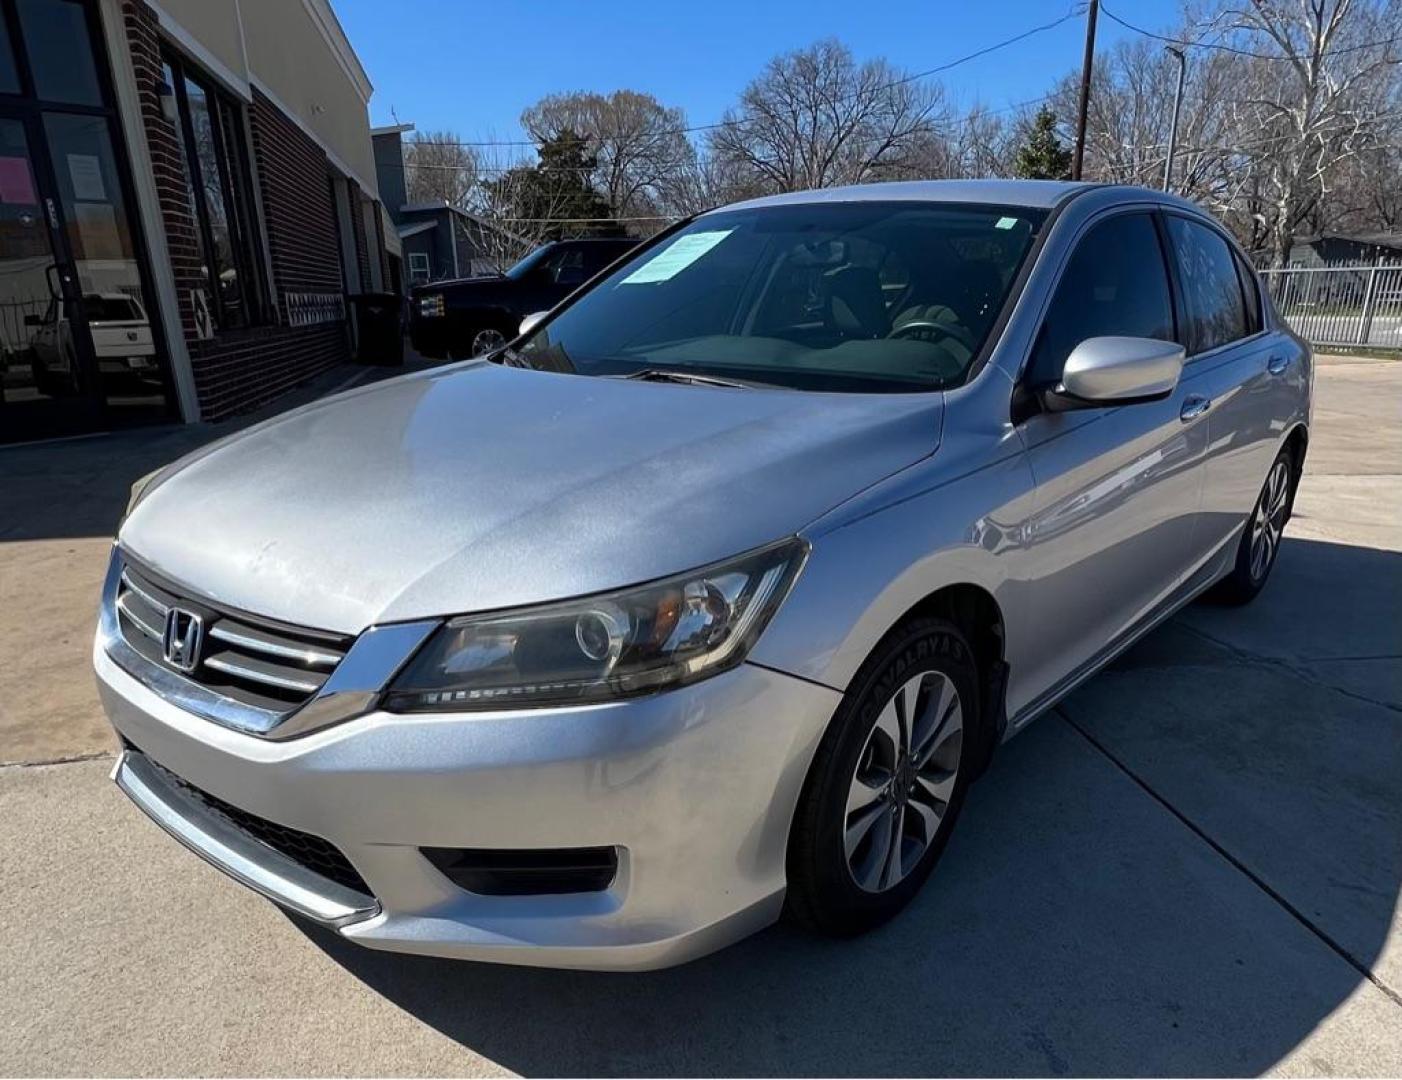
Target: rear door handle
[
  {"x": 1194, "y": 405},
  {"x": 1276, "y": 365}
]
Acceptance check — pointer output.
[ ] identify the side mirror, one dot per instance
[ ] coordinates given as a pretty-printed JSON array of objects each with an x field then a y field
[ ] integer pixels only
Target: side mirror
[
  {"x": 531, "y": 321},
  {"x": 1116, "y": 371}
]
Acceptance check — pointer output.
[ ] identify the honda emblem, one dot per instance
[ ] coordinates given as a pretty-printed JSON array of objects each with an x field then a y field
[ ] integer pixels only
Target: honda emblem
[{"x": 183, "y": 636}]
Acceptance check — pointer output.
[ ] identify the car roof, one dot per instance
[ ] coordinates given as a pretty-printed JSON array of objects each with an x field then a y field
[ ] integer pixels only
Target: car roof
[
  {"x": 1035, "y": 194},
  {"x": 1040, "y": 194}
]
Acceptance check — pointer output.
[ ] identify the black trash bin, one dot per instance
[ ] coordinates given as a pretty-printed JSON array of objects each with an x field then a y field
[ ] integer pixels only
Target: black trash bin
[{"x": 379, "y": 328}]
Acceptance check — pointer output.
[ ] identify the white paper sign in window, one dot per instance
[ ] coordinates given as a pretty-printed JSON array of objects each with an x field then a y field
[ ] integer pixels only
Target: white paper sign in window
[{"x": 676, "y": 257}]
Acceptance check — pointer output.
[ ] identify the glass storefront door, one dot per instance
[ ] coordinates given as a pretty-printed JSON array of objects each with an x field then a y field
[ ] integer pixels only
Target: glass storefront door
[
  {"x": 47, "y": 383},
  {"x": 80, "y": 348}
]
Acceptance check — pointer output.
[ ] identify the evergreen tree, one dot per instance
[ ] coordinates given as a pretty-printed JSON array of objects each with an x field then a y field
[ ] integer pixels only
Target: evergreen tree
[
  {"x": 1042, "y": 156},
  {"x": 554, "y": 198}
]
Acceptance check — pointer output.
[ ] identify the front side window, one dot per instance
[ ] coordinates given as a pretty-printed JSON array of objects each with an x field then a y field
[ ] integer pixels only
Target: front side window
[
  {"x": 1116, "y": 284},
  {"x": 861, "y": 297},
  {"x": 208, "y": 126},
  {"x": 1214, "y": 312}
]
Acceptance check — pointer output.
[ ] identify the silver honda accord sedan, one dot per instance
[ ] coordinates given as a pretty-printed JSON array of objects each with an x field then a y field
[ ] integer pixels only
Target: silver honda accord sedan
[{"x": 707, "y": 598}]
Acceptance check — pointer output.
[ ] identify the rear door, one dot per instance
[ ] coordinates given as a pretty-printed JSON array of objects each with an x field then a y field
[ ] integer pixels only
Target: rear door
[
  {"x": 1247, "y": 375},
  {"x": 1118, "y": 487}
]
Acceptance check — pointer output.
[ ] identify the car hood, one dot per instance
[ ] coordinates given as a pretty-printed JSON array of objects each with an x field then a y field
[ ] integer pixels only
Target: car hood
[{"x": 481, "y": 487}]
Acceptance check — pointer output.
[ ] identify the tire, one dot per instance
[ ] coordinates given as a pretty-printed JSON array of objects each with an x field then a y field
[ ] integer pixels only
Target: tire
[
  {"x": 1260, "y": 540},
  {"x": 839, "y": 883}
]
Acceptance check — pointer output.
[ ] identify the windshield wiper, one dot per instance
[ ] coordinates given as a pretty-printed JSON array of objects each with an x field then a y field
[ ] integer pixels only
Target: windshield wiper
[{"x": 671, "y": 375}]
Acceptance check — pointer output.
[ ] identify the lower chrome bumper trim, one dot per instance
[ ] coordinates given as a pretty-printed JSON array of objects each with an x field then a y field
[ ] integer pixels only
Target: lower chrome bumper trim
[{"x": 241, "y": 857}]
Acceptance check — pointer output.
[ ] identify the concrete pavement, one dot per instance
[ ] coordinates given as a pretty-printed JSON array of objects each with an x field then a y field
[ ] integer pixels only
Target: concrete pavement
[{"x": 1192, "y": 867}]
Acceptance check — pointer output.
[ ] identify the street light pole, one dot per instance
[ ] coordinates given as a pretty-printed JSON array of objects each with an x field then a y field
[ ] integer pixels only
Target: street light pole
[
  {"x": 1173, "y": 127},
  {"x": 1086, "y": 64}
]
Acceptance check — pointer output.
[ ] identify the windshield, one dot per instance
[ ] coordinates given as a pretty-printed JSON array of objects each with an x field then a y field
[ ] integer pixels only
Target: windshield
[
  {"x": 111, "y": 309},
  {"x": 859, "y": 296},
  {"x": 526, "y": 265}
]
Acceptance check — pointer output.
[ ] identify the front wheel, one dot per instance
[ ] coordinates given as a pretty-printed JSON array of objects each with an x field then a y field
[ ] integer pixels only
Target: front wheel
[
  {"x": 487, "y": 341},
  {"x": 887, "y": 783},
  {"x": 1260, "y": 542}
]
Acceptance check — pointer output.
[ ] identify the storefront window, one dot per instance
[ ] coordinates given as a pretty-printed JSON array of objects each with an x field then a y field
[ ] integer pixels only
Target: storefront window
[
  {"x": 209, "y": 127},
  {"x": 60, "y": 51},
  {"x": 9, "y": 76}
]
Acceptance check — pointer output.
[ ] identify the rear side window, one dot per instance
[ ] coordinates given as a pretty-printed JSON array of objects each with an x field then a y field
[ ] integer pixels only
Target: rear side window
[
  {"x": 1250, "y": 291},
  {"x": 1215, "y": 314},
  {"x": 599, "y": 255},
  {"x": 1115, "y": 285}
]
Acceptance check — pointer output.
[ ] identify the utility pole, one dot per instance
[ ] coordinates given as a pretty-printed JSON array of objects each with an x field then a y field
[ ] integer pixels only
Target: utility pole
[
  {"x": 1080, "y": 154},
  {"x": 1173, "y": 127}
]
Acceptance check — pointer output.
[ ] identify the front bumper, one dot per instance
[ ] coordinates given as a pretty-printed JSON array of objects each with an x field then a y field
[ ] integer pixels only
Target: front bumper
[{"x": 696, "y": 787}]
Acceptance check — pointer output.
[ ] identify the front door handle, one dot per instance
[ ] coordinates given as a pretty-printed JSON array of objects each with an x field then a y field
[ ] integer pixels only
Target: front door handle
[
  {"x": 1194, "y": 405},
  {"x": 1276, "y": 365}
]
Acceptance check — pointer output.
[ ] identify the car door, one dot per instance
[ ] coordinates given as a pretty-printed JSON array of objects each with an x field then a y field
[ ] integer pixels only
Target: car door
[
  {"x": 1251, "y": 377},
  {"x": 1118, "y": 487}
]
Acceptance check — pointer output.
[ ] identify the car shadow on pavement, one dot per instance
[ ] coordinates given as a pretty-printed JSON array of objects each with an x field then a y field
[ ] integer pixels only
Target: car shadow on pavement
[{"x": 1183, "y": 870}]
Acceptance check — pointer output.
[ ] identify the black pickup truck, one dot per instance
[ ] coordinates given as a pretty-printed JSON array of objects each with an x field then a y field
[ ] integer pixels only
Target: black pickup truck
[{"x": 472, "y": 316}]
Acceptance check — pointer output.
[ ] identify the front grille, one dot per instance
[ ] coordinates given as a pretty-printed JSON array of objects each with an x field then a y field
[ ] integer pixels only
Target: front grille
[
  {"x": 254, "y": 661},
  {"x": 317, "y": 855}
]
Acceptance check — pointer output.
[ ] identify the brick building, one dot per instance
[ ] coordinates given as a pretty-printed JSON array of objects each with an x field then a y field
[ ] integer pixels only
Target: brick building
[{"x": 187, "y": 197}]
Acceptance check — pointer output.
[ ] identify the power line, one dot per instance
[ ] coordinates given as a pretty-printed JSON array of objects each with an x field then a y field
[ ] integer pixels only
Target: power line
[
  {"x": 948, "y": 65},
  {"x": 1231, "y": 48},
  {"x": 974, "y": 115}
]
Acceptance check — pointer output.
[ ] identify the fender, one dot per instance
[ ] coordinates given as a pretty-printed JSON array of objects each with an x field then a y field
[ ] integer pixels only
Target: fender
[{"x": 955, "y": 518}]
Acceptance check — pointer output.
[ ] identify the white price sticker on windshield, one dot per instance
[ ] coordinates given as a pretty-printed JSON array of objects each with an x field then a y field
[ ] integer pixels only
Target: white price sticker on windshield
[{"x": 676, "y": 257}]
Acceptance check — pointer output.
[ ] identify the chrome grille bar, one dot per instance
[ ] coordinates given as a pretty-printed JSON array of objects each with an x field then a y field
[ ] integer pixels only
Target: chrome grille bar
[
  {"x": 251, "y": 640},
  {"x": 251, "y": 671},
  {"x": 128, "y": 613},
  {"x": 160, "y": 606}
]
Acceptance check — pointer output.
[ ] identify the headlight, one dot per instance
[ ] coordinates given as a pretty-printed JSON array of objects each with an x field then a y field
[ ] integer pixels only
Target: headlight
[
  {"x": 431, "y": 306},
  {"x": 634, "y": 641}
]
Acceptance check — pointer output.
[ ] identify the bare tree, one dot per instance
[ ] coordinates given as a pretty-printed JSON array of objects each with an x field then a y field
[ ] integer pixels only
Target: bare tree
[
  {"x": 438, "y": 167},
  {"x": 1318, "y": 105},
  {"x": 637, "y": 145},
  {"x": 1366, "y": 193},
  {"x": 1284, "y": 102},
  {"x": 1131, "y": 105},
  {"x": 984, "y": 144},
  {"x": 815, "y": 117}
]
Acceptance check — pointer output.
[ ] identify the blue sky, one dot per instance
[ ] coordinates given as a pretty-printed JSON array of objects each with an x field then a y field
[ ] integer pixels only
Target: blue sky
[{"x": 472, "y": 65}]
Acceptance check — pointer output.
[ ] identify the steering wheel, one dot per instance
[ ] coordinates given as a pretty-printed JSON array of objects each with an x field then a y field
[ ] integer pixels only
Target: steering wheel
[{"x": 929, "y": 330}]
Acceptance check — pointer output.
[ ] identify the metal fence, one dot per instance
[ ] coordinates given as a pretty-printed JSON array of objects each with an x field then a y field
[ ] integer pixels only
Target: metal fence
[{"x": 1340, "y": 305}]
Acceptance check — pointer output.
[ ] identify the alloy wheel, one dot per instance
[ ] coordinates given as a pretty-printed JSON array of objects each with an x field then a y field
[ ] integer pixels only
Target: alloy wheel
[
  {"x": 487, "y": 341},
  {"x": 903, "y": 781},
  {"x": 1269, "y": 520}
]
